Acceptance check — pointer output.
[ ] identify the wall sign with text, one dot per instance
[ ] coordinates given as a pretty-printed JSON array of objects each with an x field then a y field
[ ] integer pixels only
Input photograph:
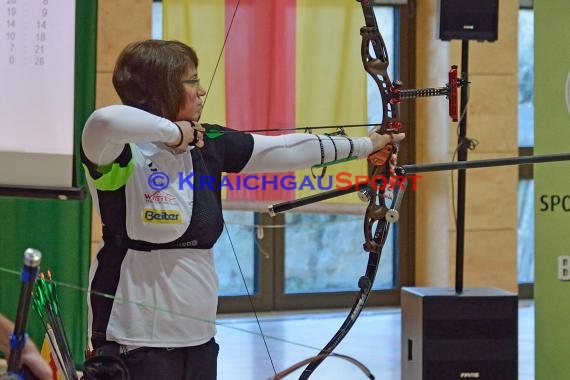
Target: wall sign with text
[{"x": 37, "y": 58}]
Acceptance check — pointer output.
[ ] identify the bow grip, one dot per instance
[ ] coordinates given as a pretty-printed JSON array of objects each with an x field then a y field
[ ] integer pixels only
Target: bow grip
[{"x": 380, "y": 157}]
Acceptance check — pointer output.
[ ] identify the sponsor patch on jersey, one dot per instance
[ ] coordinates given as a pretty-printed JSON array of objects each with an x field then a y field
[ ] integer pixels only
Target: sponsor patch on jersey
[
  {"x": 159, "y": 196},
  {"x": 151, "y": 215}
]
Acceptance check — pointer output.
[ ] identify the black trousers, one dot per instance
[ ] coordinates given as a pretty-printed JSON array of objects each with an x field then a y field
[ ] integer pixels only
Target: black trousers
[{"x": 184, "y": 363}]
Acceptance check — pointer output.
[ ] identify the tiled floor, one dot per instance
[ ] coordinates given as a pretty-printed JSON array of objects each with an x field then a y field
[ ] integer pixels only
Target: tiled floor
[{"x": 291, "y": 337}]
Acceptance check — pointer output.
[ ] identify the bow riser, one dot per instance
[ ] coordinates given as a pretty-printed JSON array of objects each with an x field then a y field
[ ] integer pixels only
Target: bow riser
[{"x": 378, "y": 70}]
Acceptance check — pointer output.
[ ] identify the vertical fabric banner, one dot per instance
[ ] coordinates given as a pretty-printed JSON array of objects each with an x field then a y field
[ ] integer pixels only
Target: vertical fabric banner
[
  {"x": 331, "y": 81},
  {"x": 285, "y": 64},
  {"x": 552, "y": 188},
  {"x": 201, "y": 24},
  {"x": 260, "y": 80},
  {"x": 252, "y": 48}
]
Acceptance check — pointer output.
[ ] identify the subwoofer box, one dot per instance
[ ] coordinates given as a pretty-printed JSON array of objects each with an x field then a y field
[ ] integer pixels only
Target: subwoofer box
[{"x": 451, "y": 336}]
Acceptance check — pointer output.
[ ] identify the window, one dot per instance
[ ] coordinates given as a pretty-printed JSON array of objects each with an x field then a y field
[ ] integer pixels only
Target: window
[
  {"x": 238, "y": 238},
  {"x": 331, "y": 242},
  {"x": 323, "y": 253},
  {"x": 526, "y": 143},
  {"x": 526, "y": 78},
  {"x": 156, "y": 31}
]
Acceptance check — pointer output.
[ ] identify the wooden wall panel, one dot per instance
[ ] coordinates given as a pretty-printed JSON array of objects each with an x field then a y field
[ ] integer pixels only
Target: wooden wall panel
[
  {"x": 118, "y": 23},
  {"x": 491, "y": 198}
]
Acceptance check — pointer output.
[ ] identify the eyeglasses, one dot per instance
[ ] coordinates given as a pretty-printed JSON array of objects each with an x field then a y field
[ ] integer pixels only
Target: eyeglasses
[{"x": 192, "y": 82}]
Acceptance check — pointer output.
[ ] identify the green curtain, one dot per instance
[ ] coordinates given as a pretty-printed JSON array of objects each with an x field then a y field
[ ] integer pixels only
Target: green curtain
[{"x": 61, "y": 231}]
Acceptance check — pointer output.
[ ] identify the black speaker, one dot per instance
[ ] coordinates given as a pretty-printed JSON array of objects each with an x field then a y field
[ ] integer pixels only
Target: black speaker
[
  {"x": 450, "y": 336},
  {"x": 468, "y": 19}
]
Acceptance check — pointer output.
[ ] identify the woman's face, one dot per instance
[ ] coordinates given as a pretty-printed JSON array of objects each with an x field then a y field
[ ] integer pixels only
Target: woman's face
[{"x": 191, "y": 108}]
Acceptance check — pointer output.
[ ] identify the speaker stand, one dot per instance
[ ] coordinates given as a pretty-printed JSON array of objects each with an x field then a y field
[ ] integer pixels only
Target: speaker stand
[{"x": 462, "y": 146}]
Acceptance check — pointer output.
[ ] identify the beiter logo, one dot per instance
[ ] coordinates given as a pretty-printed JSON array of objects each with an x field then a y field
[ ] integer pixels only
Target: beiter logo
[{"x": 150, "y": 215}]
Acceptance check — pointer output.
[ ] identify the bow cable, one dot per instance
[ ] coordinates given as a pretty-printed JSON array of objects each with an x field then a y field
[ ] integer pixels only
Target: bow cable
[{"x": 249, "y": 295}]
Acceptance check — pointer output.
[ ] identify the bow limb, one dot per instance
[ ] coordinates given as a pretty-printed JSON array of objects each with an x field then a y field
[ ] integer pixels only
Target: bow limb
[{"x": 294, "y": 367}]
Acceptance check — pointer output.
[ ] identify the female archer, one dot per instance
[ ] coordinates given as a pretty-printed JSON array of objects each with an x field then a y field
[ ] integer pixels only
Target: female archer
[{"x": 153, "y": 285}]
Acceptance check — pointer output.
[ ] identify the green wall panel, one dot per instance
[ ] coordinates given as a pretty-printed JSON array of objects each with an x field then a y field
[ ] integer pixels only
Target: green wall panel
[
  {"x": 552, "y": 182},
  {"x": 61, "y": 231}
]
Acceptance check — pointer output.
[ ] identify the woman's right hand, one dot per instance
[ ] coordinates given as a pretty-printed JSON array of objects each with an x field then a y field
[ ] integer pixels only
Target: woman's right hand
[{"x": 192, "y": 134}]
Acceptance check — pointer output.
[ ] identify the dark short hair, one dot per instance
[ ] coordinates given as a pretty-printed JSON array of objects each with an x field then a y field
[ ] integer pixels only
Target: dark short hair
[{"x": 148, "y": 75}]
